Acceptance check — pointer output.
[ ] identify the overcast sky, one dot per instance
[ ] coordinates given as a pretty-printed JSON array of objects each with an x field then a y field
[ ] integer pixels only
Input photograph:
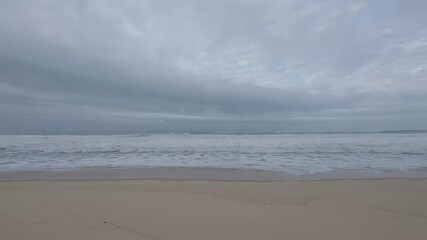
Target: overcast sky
[{"x": 193, "y": 65}]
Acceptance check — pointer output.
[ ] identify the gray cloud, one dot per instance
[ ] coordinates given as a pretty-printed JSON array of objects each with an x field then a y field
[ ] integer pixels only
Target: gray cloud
[{"x": 82, "y": 66}]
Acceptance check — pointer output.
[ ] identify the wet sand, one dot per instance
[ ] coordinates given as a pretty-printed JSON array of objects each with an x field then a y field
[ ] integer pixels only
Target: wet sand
[
  {"x": 194, "y": 210},
  {"x": 201, "y": 173}
]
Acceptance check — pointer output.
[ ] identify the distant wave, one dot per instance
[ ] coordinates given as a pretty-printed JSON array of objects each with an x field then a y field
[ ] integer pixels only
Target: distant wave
[
  {"x": 129, "y": 134},
  {"x": 305, "y": 132},
  {"x": 278, "y": 133}
]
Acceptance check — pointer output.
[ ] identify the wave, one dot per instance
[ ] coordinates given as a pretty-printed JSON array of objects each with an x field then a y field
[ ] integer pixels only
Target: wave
[{"x": 295, "y": 152}]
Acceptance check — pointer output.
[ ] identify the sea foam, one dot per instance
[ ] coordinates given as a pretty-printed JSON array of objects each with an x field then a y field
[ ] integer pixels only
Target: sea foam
[{"x": 296, "y": 154}]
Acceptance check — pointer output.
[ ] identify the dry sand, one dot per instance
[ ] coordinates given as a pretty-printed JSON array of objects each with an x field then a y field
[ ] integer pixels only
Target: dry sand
[{"x": 196, "y": 210}]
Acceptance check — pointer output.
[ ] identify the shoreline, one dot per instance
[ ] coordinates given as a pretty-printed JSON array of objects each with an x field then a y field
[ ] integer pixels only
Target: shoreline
[{"x": 202, "y": 173}]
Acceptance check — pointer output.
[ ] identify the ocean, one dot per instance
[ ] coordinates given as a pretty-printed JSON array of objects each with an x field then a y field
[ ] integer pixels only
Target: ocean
[{"x": 292, "y": 153}]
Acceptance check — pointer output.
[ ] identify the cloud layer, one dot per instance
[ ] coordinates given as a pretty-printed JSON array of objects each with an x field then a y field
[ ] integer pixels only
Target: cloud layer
[{"x": 128, "y": 66}]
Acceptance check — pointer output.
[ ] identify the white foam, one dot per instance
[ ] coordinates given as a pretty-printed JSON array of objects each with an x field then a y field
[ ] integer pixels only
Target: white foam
[{"x": 292, "y": 153}]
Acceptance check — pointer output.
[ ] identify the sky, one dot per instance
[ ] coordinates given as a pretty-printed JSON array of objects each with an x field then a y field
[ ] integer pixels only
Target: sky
[{"x": 82, "y": 67}]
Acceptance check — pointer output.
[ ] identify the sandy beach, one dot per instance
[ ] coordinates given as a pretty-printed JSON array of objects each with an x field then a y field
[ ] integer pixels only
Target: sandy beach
[{"x": 190, "y": 210}]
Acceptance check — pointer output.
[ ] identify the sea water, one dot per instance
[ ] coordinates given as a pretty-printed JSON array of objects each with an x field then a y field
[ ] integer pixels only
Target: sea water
[{"x": 295, "y": 153}]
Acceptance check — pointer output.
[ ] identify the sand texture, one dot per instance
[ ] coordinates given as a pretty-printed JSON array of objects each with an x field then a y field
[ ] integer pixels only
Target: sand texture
[{"x": 196, "y": 210}]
